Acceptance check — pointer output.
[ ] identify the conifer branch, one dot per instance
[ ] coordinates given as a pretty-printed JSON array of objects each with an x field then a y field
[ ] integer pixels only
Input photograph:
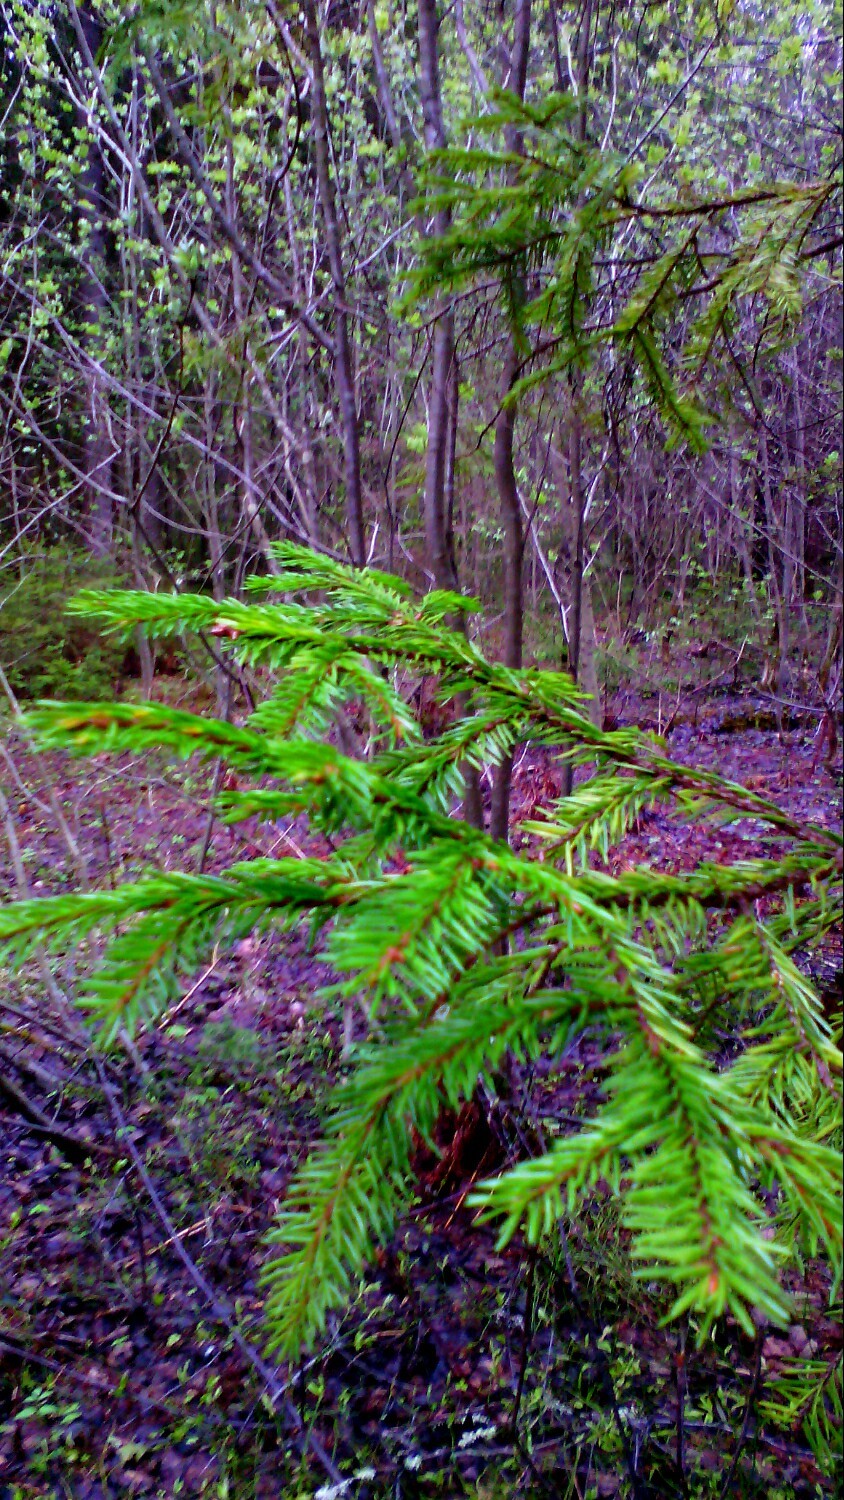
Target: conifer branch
[{"x": 414, "y": 907}]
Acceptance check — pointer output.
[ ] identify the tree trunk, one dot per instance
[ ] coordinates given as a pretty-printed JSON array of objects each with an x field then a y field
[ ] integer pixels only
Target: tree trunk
[
  {"x": 797, "y": 534},
  {"x": 582, "y": 635},
  {"x": 505, "y": 475},
  {"x": 438, "y": 498},
  {"x": 740, "y": 534},
  {"x": 440, "y": 555},
  {"x": 242, "y": 413},
  {"x": 779, "y": 597},
  {"x": 343, "y": 367},
  {"x": 97, "y": 462},
  {"x": 307, "y": 489},
  {"x": 513, "y": 559},
  {"x": 583, "y": 641}
]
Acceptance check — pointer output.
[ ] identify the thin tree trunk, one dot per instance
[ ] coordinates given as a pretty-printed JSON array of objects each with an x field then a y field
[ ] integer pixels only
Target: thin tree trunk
[
  {"x": 775, "y": 543},
  {"x": 440, "y": 556},
  {"x": 307, "y": 490},
  {"x": 740, "y": 535},
  {"x": 450, "y": 476},
  {"x": 577, "y": 656},
  {"x": 211, "y": 514},
  {"x": 797, "y": 535},
  {"x": 505, "y": 474},
  {"x": 343, "y": 365},
  {"x": 97, "y": 460},
  {"x": 577, "y": 499},
  {"x": 576, "y": 539},
  {"x": 243, "y": 413},
  {"x": 582, "y": 638},
  {"x": 440, "y": 456},
  {"x": 513, "y": 559},
  {"x": 137, "y": 476},
  {"x": 555, "y": 46},
  {"x": 385, "y": 99}
]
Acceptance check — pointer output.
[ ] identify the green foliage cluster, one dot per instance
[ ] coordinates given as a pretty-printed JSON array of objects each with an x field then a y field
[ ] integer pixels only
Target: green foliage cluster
[
  {"x": 465, "y": 952},
  {"x": 43, "y": 653},
  {"x": 562, "y": 225}
]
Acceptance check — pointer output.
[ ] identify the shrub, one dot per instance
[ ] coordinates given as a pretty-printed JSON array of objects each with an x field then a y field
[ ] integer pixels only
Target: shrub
[{"x": 45, "y": 653}]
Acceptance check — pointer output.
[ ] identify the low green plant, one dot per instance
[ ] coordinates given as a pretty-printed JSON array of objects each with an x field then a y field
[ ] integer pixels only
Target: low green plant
[
  {"x": 467, "y": 952},
  {"x": 807, "y": 1394},
  {"x": 43, "y": 651}
]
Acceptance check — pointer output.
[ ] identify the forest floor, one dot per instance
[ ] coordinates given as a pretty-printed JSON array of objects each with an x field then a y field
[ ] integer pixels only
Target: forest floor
[{"x": 459, "y": 1369}]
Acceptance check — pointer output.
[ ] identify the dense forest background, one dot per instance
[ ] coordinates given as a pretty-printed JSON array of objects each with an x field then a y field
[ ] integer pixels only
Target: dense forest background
[
  {"x": 314, "y": 319},
  {"x": 238, "y": 305}
]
